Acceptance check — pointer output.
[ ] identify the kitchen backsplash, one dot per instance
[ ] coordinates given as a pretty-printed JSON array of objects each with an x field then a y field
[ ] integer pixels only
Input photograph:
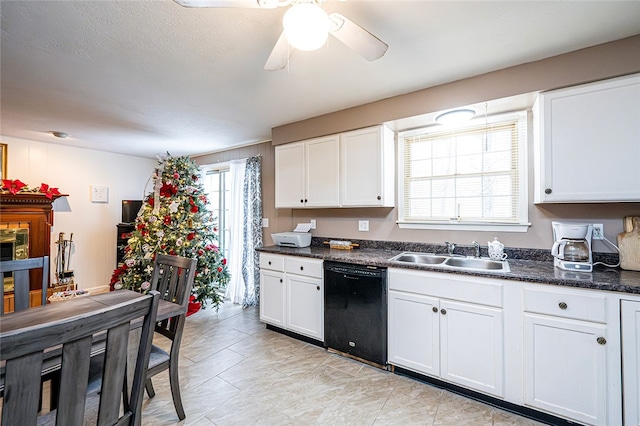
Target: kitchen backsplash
[{"x": 466, "y": 250}]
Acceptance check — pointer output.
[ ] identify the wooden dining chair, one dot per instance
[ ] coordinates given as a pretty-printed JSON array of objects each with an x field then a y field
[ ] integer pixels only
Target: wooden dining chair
[
  {"x": 119, "y": 400},
  {"x": 173, "y": 277},
  {"x": 22, "y": 270}
]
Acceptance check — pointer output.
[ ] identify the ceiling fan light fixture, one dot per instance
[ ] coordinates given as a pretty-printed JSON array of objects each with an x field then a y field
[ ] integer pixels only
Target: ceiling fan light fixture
[
  {"x": 455, "y": 116},
  {"x": 306, "y": 26}
]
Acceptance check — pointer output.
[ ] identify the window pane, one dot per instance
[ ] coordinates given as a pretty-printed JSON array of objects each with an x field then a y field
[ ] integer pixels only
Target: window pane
[{"x": 467, "y": 173}]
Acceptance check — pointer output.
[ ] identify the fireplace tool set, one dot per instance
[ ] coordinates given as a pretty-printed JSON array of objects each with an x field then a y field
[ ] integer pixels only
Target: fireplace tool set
[{"x": 63, "y": 260}]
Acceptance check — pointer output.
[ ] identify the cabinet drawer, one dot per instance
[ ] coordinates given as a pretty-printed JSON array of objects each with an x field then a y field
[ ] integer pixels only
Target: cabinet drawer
[
  {"x": 272, "y": 262},
  {"x": 302, "y": 266},
  {"x": 566, "y": 304}
]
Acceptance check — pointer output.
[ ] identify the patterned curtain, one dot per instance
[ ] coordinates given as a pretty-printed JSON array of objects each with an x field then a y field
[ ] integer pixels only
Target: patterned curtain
[{"x": 252, "y": 195}]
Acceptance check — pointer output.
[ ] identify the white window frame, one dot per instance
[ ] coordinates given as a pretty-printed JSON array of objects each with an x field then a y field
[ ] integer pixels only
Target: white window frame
[
  {"x": 222, "y": 222},
  {"x": 460, "y": 224}
]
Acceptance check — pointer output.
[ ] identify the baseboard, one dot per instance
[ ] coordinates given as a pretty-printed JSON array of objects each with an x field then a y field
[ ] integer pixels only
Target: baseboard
[{"x": 496, "y": 402}]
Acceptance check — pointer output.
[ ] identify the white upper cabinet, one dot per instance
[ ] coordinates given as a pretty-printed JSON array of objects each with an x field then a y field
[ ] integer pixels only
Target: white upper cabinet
[
  {"x": 323, "y": 172},
  {"x": 351, "y": 169},
  {"x": 307, "y": 173},
  {"x": 367, "y": 168},
  {"x": 587, "y": 142},
  {"x": 290, "y": 184}
]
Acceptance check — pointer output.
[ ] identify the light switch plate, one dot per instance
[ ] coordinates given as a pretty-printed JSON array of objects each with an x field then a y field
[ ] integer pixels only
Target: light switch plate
[
  {"x": 99, "y": 194},
  {"x": 265, "y": 222}
]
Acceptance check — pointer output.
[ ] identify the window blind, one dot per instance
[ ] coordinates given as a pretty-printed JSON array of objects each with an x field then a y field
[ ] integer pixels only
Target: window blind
[{"x": 469, "y": 174}]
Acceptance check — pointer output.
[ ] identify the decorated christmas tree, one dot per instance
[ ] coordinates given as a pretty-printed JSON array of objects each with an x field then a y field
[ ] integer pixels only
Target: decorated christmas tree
[{"x": 174, "y": 220}]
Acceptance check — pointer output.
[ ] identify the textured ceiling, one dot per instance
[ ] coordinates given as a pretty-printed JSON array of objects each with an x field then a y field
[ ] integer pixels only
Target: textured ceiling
[{"x": 147, "y": 77}]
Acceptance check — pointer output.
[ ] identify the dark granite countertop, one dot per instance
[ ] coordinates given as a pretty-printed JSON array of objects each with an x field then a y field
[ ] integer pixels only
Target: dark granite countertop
[{"x": 539, "y": 270}]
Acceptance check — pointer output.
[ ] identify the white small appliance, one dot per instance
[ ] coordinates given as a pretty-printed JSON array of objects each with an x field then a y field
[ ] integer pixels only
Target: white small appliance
[
  {"x": 572, "y": 246},
  {"x": 299, "y": 237}
]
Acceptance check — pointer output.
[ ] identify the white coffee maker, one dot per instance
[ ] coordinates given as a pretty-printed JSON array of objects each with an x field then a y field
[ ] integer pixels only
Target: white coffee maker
[{"x": 572, "y": 247}]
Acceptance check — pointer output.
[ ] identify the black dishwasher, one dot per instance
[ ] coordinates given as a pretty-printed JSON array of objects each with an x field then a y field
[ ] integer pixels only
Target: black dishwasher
[{"x": 355, "y": 311}]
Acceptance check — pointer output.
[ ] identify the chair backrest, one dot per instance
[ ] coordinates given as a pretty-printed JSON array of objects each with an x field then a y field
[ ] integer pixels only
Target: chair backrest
[
  {"x": 22, "y": 271},
  {"x": 23, "y": 351},
  {"x": 173, "y": 277}
]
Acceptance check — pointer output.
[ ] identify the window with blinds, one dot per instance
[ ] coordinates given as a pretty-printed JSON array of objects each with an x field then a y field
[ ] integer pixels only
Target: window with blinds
[{"x": 471, "y": 175}]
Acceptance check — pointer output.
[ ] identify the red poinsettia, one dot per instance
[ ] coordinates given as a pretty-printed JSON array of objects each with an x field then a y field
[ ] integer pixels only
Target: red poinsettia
[
  {"x": 13, "y": 186},
  {"x": 48, "y": 191},
  {"x": 168, "y": 190}
]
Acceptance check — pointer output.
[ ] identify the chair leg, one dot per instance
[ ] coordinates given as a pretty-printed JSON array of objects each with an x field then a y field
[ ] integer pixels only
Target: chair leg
[
  {"x": 175, "y": 387},
  {"x": 149, "y": 387}
]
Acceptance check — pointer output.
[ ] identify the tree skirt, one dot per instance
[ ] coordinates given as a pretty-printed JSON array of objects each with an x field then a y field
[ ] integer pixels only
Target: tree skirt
[{"x": 193, "y": 306}]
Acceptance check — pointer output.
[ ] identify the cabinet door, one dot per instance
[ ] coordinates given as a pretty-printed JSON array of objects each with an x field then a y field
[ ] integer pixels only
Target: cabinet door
[
  {"x": 565, "y": 368},
  {"x": 414, "y": 332},
  {"x": 367, "y": 168},
  {"x": 587, "y": 142},
  {"x": 272, "y": 298},
  {"x": 471, "y": 346},
  {"x": 290, "y": 175},
  {"x": 305, "y": 306},
  {"x": 631, "y": 361},
  {"x": 322, "y": 163}
]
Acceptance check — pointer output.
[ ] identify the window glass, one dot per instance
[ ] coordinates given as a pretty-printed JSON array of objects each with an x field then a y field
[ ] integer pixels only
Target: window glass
[{"x": 465, "y": 175}]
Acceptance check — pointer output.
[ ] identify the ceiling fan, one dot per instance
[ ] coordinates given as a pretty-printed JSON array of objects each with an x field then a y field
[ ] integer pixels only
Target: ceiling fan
[{"x": 306, "y": 27}]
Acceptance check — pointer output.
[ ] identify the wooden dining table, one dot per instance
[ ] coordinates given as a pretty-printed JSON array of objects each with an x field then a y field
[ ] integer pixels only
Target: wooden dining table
[{"x": 59, "y": 311}]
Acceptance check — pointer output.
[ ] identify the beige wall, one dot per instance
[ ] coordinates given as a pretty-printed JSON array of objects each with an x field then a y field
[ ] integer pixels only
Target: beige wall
[
  {"x": 599, "y": 62},
  {"x": 279, "y": 219}
]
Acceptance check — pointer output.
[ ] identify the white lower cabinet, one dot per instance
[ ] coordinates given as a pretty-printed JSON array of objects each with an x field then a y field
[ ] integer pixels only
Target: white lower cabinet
[
  {"x": 292, "y": 295},
  {"x": 471, "y": 346},
  {"x": 630, "y": 313},
  {"x": 569, "y": 355},
  {"x": 410, "y": 345},
  {"x": 272, "y": 297},
  {"x": 455, "y": 340},
  {"x": 304, "y": 305}
]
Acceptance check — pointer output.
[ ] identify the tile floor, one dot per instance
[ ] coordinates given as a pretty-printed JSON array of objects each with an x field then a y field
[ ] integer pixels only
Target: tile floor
[{"x": 236, "y": 372}]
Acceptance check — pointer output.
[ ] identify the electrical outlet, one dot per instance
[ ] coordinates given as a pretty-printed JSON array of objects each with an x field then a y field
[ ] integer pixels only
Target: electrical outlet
[
  {"x": 265, "y": 222},
  {"x": 313, "y": 223},
  {"x": 363, "y": 225},
  {"x": 598, "y": 231}
]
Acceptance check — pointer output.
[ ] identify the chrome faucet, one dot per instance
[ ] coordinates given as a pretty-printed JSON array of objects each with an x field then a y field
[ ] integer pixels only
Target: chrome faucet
[
  {"x": 450, "y": 247},
  {"x": 476, "y": 246}
]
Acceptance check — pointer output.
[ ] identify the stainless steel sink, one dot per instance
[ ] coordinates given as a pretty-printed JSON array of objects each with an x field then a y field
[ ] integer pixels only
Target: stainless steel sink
[
  {"x": 452, "y": 262},
  {"x": 475, "y": 263},
  {"x": 422, "y": 258}
]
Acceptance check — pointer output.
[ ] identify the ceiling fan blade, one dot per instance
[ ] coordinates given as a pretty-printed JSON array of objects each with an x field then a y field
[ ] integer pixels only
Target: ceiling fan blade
[
  {"x": 354, "y": 36},
  {"x": 279, "y": 56},
  {"x": 262, "y": 4},
  {"x": 218, "y": 3}
]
